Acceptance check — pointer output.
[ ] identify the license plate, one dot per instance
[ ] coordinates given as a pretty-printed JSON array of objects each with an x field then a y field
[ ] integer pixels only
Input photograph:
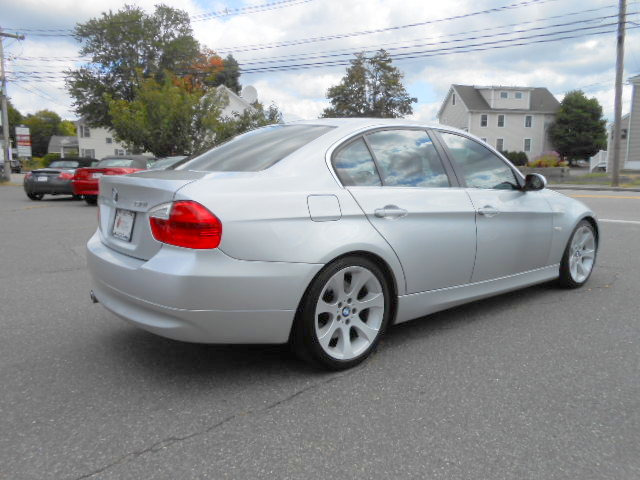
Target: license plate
[
  {"x": 96, "y": 175},
  {"x": 123, "y": 224},
  {"x": 43, "y": 179}
]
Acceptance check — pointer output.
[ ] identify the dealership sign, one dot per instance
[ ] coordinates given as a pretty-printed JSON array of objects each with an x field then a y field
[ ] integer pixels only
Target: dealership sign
[{"x": 23, "y": 140}]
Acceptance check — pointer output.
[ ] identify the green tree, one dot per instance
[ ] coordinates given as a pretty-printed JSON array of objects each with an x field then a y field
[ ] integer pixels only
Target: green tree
[
  {"x": 161, "y": 117},
  {"x": 15, "y": 119},
  {"x": 579, "y": 130},
  {"x": 67, "y": 128},
  {"x": 42, "y": 125},
  {"x": 126, "y": 48},
  {"x": 250, "y": 119},
  {"x": 371, "y": 87}
]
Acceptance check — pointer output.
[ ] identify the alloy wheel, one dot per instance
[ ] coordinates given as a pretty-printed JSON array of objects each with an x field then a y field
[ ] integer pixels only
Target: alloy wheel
[
  {"x": 349, "y": 313},
  {"x": 582, "y": 254}
]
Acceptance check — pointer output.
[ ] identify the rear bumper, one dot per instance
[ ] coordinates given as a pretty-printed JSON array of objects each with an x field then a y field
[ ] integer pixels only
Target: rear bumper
[
  {"x": 85, "y": 187},
  {"x": 200, "y": 296},
  {"x": 52, "y": 186}
]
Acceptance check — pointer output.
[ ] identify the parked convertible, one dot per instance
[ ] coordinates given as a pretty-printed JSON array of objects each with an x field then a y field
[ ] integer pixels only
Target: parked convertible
[
  {"x": 55, "y": 179},
  {"x": 85, "y": 180},
  {"x": 325, "y": 233}
]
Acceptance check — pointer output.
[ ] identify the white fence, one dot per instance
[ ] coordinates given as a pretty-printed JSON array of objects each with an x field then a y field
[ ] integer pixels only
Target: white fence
[{"x": 598, "y": 161}]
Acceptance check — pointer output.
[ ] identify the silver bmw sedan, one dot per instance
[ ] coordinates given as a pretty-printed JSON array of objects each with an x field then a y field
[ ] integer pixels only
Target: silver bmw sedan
[{"x": 324, "y": 233}]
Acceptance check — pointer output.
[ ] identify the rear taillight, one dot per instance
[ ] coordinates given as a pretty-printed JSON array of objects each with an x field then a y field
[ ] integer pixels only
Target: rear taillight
[
  {"x": 65, "y": 176},
  {"x": 28, "y": 175},
  {"x": 185, "y": 224}
]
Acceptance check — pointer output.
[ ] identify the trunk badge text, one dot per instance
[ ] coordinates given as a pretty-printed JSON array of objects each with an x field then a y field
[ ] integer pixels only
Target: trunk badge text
[
  {"x": 114, "y": 194},
  {"x": 138, "y": 203}
]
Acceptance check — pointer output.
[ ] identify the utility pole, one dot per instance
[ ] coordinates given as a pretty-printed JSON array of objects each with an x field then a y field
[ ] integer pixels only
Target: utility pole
[
  {"x": 5, "y": 116},
  {"x": 615, "y": 164}
]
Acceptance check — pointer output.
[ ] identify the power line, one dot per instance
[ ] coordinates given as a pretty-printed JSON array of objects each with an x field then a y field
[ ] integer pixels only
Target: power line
[
  {"x": 68, "y": 32},
  {"x": 393, "y": 49},
  {"x": 474, "y": 47},
  {"x": 287, "y": 43}
]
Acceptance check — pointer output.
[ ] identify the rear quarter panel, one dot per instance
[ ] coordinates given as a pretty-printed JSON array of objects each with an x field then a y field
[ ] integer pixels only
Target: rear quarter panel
[{"x": 265, "y": 217}]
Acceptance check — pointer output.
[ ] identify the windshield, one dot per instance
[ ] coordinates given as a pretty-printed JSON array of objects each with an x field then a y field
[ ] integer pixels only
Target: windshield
[
  {"x": 64, "y": 164},
  {"x": 116, "y": 162},
  {"x": 256, "y": 150}
]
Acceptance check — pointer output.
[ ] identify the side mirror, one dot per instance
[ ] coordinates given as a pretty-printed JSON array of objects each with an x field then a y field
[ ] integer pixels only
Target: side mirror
[{"x": 534, "y": 181}]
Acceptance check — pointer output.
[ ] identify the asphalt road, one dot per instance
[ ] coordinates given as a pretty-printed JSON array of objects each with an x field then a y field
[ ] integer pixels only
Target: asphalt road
[{"x": 538, "y": 384}]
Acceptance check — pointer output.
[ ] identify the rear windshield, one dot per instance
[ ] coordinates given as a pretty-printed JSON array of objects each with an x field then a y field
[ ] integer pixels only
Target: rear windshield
[
  {"x": 120, "y": 162},
  {"x": 64, "y": 164},
  {"x": 255, "y": 150}
]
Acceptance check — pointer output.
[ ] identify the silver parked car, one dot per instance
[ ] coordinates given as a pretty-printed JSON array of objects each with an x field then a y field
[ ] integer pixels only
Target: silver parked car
[{"x": 324, "y": 233}]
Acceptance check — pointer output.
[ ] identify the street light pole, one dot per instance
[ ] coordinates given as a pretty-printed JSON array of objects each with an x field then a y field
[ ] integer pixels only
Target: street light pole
[
  {"x": 615, "y": 164},
  {"x": 6, "y": 175}
]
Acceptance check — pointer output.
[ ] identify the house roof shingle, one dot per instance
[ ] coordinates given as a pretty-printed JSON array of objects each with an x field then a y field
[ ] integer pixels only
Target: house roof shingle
[
  {"x": 541, "y": 99},
  {"x": 57, "y": 141}
]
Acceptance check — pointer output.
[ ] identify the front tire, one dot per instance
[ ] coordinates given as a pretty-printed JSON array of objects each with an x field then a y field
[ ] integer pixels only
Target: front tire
[
  {"x": 579, "y": 256},
  {"x": 91, "y": 199},
  {"x": 343, "y": 314}
]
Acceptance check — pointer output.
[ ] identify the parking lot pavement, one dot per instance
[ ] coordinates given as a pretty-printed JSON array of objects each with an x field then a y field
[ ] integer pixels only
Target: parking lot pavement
[{"x": 538, "y": 384}]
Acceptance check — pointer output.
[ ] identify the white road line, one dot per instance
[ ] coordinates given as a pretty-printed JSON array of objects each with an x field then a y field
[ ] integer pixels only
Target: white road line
[{"x": 608, "y": 220}]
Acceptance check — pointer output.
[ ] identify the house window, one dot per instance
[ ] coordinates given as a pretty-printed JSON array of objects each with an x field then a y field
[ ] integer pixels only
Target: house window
[
  {"x": 501, "y": 120},
  {"x": 518, "y": 95},
  {"x": 527, "y": 144},
  {"x": 528, "y": 121},
  {"x": 88, "y": 153},
  {"x": 504, "y": 94},
  {"x": 84, "y": 131},
  {"x": 453, "y": 99},
  {"x": 119, "y": 152},
  {"x": 109, "y": 140},
  {"x": 483, "y": 120},
  {"x": 500, "y": 144}
]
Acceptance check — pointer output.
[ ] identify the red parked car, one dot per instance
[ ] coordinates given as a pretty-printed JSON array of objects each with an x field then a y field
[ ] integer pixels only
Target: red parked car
[{"x": 86, "y": 180}]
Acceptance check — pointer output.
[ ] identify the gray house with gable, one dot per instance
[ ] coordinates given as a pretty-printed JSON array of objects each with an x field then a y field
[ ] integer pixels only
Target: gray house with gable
[{"x": 509, "y": 118}]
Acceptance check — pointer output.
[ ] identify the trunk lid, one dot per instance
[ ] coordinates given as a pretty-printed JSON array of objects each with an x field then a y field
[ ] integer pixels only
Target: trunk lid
[{"x": 137, "y": 193}]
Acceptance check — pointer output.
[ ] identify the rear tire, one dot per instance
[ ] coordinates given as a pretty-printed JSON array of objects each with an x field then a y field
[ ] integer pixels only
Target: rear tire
[
  {"x": 343, "y": 314},
  {"x": 35, "y": 196},
  {"x": 91, "y": 199},
  {"x": 579, "y": 256}
]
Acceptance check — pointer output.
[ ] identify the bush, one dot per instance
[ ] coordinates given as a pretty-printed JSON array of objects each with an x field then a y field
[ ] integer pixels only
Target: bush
[
  {"x": 33, "y": 163},
  {"x": 519, "y": 159},
  {"x": 50, "y": 157},
  {"x": 547, "y": 159}
]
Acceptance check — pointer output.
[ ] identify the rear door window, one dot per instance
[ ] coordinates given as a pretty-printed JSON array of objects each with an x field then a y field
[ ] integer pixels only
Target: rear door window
[
  {"x": 354, "y": 165},
  {"x": 256, "y": 150},
  {"x": 408, "y": 158}
]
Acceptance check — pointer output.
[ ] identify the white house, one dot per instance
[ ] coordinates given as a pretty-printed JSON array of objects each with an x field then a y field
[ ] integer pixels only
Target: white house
[
  {"x": 509, "y": 118},
  {"x": 98, "y": 142},
  {"x": 629, "y": 132}
]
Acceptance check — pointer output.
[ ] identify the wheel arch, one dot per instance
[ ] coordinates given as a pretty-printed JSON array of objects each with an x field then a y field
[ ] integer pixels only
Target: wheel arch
[
  {"x": 379, "y": 261},
  {"x": 594, "y": 224}
]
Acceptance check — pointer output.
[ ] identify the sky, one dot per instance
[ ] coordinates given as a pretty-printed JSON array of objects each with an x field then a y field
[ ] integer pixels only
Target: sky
[{"x": 558, "y": 44}]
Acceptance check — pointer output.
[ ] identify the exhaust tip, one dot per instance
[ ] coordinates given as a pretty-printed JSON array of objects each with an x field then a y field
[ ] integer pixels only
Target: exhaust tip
[{"x": 93, "y": 297}]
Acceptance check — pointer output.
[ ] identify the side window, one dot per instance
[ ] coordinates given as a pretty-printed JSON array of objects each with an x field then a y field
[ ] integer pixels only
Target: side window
[
  {"x": 408, "y": 158},
  {"x": 354, "y": 166},
  {"x": 480, "y": 167}
]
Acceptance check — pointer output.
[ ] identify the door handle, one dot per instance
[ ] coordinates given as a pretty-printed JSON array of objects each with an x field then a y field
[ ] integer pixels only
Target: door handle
[
  {"x": 390, "y": 211},
  {"x": 488, "y": 211}
]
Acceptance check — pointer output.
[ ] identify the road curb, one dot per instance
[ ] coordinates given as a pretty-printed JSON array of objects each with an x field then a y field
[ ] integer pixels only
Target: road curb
[{"x": 596, "y": 188}]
